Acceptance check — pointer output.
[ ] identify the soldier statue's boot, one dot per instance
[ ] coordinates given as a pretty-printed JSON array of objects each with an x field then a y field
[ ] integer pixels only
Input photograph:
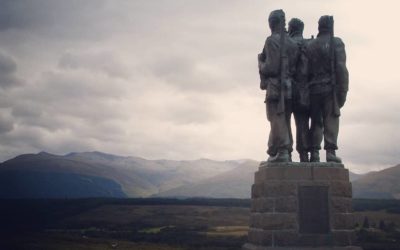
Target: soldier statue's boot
[
  {"x": 331, "y": 156},
  {"x": 281, "y": 156},
  {"x": 314, "y": 156},
  {"x": 270, "y": 158},
  {"x": 303, "y": 156}
]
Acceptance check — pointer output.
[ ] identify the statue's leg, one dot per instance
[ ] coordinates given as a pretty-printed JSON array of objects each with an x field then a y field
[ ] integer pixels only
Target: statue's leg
[
  {"x": 288, "y": 117},
  {"x": 301, "y": 119},
  {"x": 279, "y": 139},
  {"x": 272, "y": 146},
  {"x": 316, "y": 129},
  {"x": 331, "y": 124},
  {"x": 331, "y": 130}
]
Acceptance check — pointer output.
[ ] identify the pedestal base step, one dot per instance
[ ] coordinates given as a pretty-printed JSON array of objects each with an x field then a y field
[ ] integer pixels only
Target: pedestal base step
[{"x": 249, "y": 246}]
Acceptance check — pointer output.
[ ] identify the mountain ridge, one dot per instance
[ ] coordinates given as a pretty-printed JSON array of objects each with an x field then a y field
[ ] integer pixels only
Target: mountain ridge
[
  {"x": 379, "y": 184},
  {"x": 137, "y": 176},
  {"x": 130, "y": 176}
]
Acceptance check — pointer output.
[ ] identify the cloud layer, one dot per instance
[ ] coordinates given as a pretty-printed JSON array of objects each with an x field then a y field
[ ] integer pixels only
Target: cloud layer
[{"x": 178, "y": 79}]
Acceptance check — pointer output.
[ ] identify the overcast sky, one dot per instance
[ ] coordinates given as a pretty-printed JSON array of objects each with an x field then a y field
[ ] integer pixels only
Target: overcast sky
[{"x": 178, "y": 79}]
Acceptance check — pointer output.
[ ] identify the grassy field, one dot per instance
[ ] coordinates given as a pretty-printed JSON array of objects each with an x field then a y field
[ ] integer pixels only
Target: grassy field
[{"x": 159, "y": 224}]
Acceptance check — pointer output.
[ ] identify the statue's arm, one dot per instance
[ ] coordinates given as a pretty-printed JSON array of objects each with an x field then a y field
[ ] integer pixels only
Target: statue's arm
[
  {"x": 270, "y": 67},
  {"x": 342, "y": 74},
  {"x": 261, "y": 59}
]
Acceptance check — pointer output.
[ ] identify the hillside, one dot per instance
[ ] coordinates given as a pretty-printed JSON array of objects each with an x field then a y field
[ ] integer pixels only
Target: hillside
[
  {"x": 96, "y": 174},
  {"x": 354, "y": 176},
  {"x": 235, "y": 183},
  {"x": 45, "y": 185},
  {"x": 33, "y": 175},
  {"x": 382, "y": 184}
]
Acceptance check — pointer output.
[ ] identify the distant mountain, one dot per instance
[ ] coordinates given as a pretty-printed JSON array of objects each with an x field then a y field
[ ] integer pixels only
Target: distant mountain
[
  {"x": 32, "y": 184},
  {"x": 235, "y": 183},
  {"x": 354, "y": 176},
  {"x": 97, "y": 174},
  {"x": 384, "y": 184}
]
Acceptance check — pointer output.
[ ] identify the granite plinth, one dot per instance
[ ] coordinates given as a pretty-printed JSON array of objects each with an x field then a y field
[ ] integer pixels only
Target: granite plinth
[{"x": 301, "y": 206}]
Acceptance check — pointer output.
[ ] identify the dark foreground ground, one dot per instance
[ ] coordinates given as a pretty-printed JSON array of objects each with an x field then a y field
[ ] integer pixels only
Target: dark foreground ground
[{"x": 150, "y": 224}]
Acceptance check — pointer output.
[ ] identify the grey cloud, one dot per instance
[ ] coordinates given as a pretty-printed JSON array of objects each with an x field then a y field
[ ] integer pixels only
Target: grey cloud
[
  {"x": 24, "y": 108},
  {"x": 61, "y": 100},
  {"x": 94, "y": 19},
  {"x": 104, "y": 62},
  {"x": 50, "y": 18},
  {"x": 76, "y": 86},
  {"x": 190, "y": 74},
  {"x": 190, "y": 111},
  {"x": 28, "y": 139},
  {"x": 7, "y": 64},
  {"x": 8, "y": 68},
  {"x": 190, "y": 115},
  {"x": 378, "y": 97},
  {"x": 367, "y": 147},
  {"x": 8, "y": 80},
  {"x": 6, "y": 124},
  {"x": 14, "y": 14}
]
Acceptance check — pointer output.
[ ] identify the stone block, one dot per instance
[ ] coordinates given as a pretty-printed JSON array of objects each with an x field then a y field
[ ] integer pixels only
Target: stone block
[
  {"x": 343, "y": 237},
  {"x": 341, "y": 204},
  {"x": 274, "y": 189},
  {"x": 255, "y": 220},
  {"x": 261, "y": 205},
  {"x": 256, "y": 191},
  {"x": 279, "y": 189},
  {"x": 292, "y": 173},
  {"x": 260, "y": 237},
  {"x": 314, "y": 183},
  {"x": 286, "y": 204},
  {"x": 341, "y": 189},
  {"x": 259, "y": 177},
  {"x": 343, "y": 221},
  {"x": 330, "y": 173},
  {"x": 314, "y": 240},
  {"x": 286, "y": 238},
  {"x": 274, "y": 221}
]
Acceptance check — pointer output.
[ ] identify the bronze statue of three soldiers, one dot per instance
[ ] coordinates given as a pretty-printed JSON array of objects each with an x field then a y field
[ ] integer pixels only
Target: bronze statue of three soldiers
[{"x": 306, "y": 77}]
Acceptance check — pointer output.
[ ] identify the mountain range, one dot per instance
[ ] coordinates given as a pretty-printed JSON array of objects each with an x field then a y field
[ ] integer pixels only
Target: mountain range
[
  {"x": 97, "y": 174},
  {"x": 382, "y": 184}
]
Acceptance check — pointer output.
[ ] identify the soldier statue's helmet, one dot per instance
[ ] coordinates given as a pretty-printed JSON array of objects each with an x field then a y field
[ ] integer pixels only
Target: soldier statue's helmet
[
  {"x": 325, "y": 23},
  {"x": 276, "y": 17},
  {"x": 296, "y": 25}
]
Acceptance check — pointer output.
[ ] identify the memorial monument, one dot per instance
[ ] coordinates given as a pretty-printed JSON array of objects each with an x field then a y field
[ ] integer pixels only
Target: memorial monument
[{"x": 306, "y": 204}]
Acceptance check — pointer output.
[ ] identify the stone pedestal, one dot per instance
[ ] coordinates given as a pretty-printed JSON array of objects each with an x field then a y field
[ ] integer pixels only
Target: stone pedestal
[{"x": 299, "y": 206}]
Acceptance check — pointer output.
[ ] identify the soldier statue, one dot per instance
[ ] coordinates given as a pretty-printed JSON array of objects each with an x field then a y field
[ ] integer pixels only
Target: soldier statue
[
  {"x": 301, "y": 99},
  {"x": 277, "y": 66},
  {"x": 328, "y": 83}
]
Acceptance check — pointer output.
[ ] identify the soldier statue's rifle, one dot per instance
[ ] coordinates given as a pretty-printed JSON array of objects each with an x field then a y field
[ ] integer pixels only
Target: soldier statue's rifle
[
  {"x": 335, "y": 105},
  {"x": 283, "y": 65}
]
